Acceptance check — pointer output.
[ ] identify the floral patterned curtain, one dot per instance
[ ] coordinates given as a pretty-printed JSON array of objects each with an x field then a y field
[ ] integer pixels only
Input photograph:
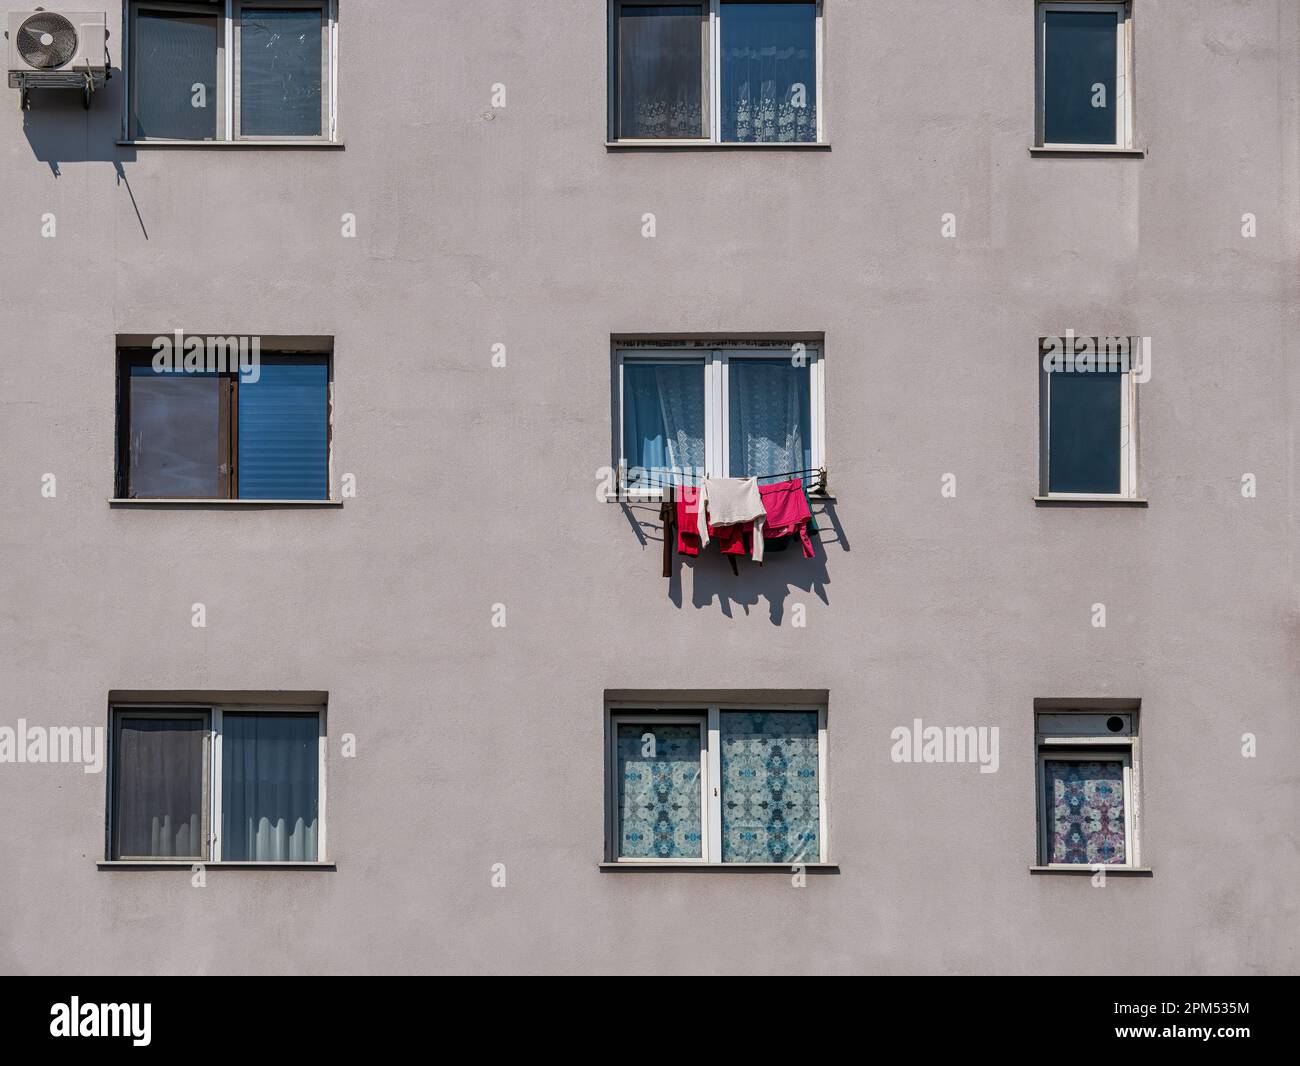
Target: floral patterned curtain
[
  {"x": 770, "y": 806},
  {"x": 1085, "y": 811},
  {"x": 659, "y": 791}
]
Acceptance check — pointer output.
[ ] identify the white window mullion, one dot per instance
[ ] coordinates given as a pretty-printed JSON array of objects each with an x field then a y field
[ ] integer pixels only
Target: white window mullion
[
  {"x": 715, "y": 70},
  {"x": 214, "y": 813},
  {"x": 713, "y": 779},
  {"x": 321, "y": 821},
  {"x": 722, "y": 415},
  {"x": 228, "y": 92},
  {"x": 823, "y": 836}
]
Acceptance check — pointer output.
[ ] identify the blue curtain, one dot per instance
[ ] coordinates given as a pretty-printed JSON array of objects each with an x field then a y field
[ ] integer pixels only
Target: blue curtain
[
  {"x": 284, "y": 430},
  {"x": 663, "y": 415},
  {"x": 280, "y": 72},
  {"x": 770, "y": 806},
  {"x": 769, "y": 72},
  {"x": 770, "y": 417},
  {"x": 269, "y": 787},
  {"x": 659, "y": 792}
]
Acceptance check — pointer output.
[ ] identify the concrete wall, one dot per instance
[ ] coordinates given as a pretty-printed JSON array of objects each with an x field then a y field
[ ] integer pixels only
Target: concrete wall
[{"x": 477, "y": 486}]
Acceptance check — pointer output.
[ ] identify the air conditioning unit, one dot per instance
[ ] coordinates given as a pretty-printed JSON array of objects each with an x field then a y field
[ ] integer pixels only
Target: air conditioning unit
[{"x": 58, "y": 50}]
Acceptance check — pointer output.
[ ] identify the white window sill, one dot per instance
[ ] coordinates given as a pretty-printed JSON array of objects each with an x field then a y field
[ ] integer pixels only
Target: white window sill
[
  {"x": 117, "y": 501},
  {"x": 185, "y": 864},
  {"x": 1083, "y": 868},
  {"x": 1085, "y": 149},
  {"x": 783, "y": 867},
  {"x": 158, "y": 143},
  {"x": 1121, "y": 501},
  {"x": 651, "y": 143}
]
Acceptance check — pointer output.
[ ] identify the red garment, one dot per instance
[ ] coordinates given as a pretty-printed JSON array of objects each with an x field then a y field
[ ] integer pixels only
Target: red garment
[
  {"x": 787, "y": 512},
  {"x": 732, "y": 540}
]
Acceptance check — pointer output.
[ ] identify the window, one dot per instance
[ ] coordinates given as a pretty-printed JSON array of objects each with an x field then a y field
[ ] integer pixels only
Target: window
[
  {"x": 217, "y": 784},
  {"x": 196, "y": 434},
  {"x": 1085, "y": 80},
  {"x": 744, "y": 411},
  {"x": 1088, "y": 417},
  {"x": 715, "y": 72},
  {"x": 232, "y": 70},
  {"x": 1088, "y": 786},
  {"x": 717, "y": 784}
]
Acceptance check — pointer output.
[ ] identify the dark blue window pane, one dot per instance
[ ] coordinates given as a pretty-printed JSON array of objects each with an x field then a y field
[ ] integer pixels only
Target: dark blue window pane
[
  {"x": 280, "y": 72},
  {"x": 174, "y": 445},
  {"x": 284, "y": 430},
  {"x": 173, "y": 54},
  {"x": 660, "y": 64},
  {"x": 769, "y": 72},
  {"x": 1083, "y": 432},
  {"x": 269, "y": 787},
  {"x": 1079, "y": 104}
]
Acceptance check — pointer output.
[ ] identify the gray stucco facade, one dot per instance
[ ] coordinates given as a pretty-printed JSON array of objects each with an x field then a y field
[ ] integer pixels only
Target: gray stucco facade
[{"x": 477, "y": 485}]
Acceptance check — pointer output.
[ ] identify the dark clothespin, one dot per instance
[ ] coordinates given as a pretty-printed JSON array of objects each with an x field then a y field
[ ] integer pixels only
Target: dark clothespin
[{"x": 668, "y": 518}]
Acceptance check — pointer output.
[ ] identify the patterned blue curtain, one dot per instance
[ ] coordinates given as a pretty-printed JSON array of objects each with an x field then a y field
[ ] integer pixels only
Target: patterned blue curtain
[
  {"x": 659, "y": 792},
  {"x": 663, "y": 415},
  {"x": 770, "y": 416},
  {"x": 1085, "y": 811},
  {"x": 770, "y": 807},
  {"x": 769, "y": 72}
]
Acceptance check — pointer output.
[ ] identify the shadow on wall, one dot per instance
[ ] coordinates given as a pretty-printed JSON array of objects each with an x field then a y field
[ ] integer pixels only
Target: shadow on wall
[
  {"x": 780, "y": 574},
  {"x": 61, "y": 130}
]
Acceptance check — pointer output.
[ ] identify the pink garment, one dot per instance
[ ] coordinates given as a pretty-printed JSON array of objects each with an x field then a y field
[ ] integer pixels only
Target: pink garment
[
  {"x": 732, "y": 540},
  {"x": 787, "y": 512}
]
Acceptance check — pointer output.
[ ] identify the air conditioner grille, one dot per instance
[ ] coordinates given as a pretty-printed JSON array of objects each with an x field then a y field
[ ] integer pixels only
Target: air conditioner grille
[{"x": 47, "y": 40}]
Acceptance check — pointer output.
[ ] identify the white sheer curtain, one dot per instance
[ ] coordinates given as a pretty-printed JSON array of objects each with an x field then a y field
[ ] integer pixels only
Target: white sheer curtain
[
  {"x": 769, "y": 417},
  {"x": 663, "y": 415}
]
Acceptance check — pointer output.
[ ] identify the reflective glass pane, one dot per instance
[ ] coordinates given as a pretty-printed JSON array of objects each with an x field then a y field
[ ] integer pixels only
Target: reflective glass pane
[
  {"x": 1084, "y": 431},
  {"x": 173, "y": 445},
  {"x": 1079, "y": 105},
  {"x": 174, "y": 75},
  {"x": 660, "y": 70},
  {"x": 280, "y": 72}
]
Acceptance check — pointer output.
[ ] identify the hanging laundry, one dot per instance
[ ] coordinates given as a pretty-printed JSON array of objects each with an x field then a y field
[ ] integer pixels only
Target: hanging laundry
[
  {"x": 732, "y": 540},
  {"x": 731, "y": 501},
  {"x": 788, "y": 513}
]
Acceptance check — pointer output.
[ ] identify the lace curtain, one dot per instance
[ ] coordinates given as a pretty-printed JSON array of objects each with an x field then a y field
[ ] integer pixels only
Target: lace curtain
[
  {"x": 663, "y": 416},
  {"x": 770, "y": 410},
  {"x": 769, "y": 72},
  {"x": 660, "y": 64}
]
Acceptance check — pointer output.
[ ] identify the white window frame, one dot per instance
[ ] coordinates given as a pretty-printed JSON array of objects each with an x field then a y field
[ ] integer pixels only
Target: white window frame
[
  {"x": 1058, "y": 745},
  {"x": 212, "y": 714},
  {"x": 1123, "y": 74},
  {"x": 1128, "y": 431},
  {"x": 711, "y": 68},
  {"x": 709, "y": 716},
  {"x": 716, "y": 360},
  {"x": 229, "y": 14}
]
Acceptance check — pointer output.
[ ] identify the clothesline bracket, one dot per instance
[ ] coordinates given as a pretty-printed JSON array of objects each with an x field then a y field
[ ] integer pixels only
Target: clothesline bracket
[{"x": 815, "y": 479}]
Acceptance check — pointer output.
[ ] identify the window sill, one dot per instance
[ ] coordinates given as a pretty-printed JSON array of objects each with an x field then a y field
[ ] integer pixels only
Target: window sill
[
  {"x": 1085, "y": 149},
  {"x": 1081, "y": 869},
  {"x": 231, "y": 144},
  {"x": 1090, "y": 501},
  {"x": 614, "y": 146},
  {"x": 717, "y": 867},
  {"x": 117, "y": 501},
  {"x": 186, "y": 864}
]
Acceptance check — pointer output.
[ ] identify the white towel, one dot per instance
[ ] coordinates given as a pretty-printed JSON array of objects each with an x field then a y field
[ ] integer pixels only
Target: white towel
[{"x": 729, "y": 501}]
